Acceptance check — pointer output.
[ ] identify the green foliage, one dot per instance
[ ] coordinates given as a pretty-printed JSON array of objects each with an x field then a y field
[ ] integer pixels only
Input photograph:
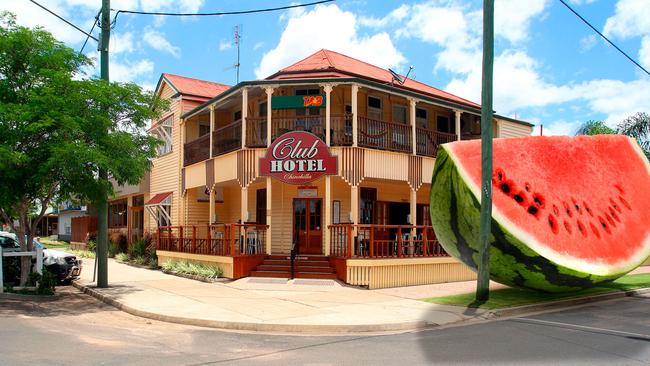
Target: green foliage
[
  {"x": 59, "y": 127},
  {"x": 140, "y": 260},
  {"x": 45, "y": 283},
  {"x": 91, "y": 246},
  {"x": 190, "y": 268},
  {"x": 595, "y": 128},
  {"x": 113, "y": 249},
  {"x": 138, "y": 249},
  {"x": 122, "y": 257},
  {"x": 83, "y": 254},
  {"x": 153, "y": 262}
]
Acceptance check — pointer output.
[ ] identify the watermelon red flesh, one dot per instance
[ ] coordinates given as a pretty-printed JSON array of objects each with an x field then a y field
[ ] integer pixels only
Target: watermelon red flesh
[{"x": 580, "y": 203}]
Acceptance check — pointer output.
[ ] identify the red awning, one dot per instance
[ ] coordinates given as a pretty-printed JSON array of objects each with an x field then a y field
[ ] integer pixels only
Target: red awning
[{"x": 158, "y": 198}]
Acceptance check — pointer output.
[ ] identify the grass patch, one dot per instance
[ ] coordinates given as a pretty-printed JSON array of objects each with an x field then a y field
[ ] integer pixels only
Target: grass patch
[
  {"x": 194, "y": 269},
  {"x": 509, "y": 297},
  {"x": 82, "y": 253},
  {"x": 55, "y": 244}
]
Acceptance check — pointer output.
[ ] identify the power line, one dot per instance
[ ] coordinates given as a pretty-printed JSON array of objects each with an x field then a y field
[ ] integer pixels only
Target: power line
[
  {"x": 221, "y": 13},
  {"x": 65, "y": 20},
  {"x": 91, "y": 31},
  {"x": 603, "y": 36}
]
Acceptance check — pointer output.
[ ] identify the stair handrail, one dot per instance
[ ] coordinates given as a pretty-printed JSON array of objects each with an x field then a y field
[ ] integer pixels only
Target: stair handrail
[{"x": 294, "y": 252}]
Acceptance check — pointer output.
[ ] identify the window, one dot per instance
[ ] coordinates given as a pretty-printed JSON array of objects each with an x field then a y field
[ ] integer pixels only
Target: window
[
  {"x": 204, "y": 128},
  {"x": 163, "y": 217},
  {"x": 399, "y": 114},
  {"x": 445, "y": 125},
  {"x": 374, "y": 107},
  {"x": 163, "y": 131},
  {"x": 367, "y": 200},
  {"x": 263, "y": 109},
  {"x": 117, "y": 213},
  {"x": 260, "y": 206},
  {"x": 138, "y": 201},
  {"x": 421, "y": 119}
]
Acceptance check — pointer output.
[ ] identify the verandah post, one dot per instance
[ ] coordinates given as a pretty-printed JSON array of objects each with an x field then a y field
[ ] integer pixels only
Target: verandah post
[
  {"x": 371, "y": 250},
  {"x": 399, "y": 241},
  {"x": 209, "y": 242},
  {"x": 181, "y": 238},
  {"x": 425, "y": 242},
  {"x": 349, "y": 241},
  {"x": 231, "y": 235},
  {"x": 194, "y": 239}
]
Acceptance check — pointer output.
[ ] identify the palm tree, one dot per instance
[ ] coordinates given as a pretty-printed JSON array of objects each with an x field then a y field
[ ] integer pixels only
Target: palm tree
[{"x": 638, "y": 127}]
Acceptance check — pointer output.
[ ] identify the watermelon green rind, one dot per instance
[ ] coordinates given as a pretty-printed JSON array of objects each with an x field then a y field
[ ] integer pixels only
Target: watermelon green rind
[{"x": 455, "y": 210}]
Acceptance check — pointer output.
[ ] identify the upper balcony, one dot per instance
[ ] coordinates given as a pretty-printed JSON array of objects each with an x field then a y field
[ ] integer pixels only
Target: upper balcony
[{"x": 383, "y": 121}]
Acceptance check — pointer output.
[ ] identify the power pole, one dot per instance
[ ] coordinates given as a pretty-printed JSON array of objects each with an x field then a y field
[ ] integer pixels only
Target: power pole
[
  {"x": 483, "y": 280},
  {"x": 102, "y": 203}
]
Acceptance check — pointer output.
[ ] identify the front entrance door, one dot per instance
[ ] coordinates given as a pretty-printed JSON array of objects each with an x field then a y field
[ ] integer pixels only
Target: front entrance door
[
  {"x": 307, "y": 225},
  {"x": 137, "y": 223}
]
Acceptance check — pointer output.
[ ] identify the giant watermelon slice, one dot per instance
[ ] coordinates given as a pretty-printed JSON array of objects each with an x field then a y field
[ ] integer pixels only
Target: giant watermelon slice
[{"x": 568, "y": 213}]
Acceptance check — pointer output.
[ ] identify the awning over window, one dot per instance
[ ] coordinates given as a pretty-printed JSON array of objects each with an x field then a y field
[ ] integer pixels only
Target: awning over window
[{"x": 158, "y": 199}]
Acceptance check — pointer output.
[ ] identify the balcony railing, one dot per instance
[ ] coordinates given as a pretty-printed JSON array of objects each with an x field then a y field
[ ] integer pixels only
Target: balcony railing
[
  {"x": 427, "y": 141},
  {"x": 384, "y": 135},
  {"x": 313, "y": 124},
  {"x": 229, "y": 240},
  {"x": 256, "y": 131},
  {"x": 226, "y": 138},
  {"x": 384, "y": 241},
  {"x": 197, "y": 150}
]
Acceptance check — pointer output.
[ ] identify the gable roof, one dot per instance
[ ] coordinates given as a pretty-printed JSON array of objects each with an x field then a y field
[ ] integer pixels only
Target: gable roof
[
  {"x": 192, "y": 87},
  {"x": 330, "y": 64}
]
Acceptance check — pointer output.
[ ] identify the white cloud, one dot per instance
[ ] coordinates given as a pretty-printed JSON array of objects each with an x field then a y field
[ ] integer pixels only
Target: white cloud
[
  {"x": 512, "y": 17},
  {"x": 225, "y": 45},
  {"x": 121, "y": 43},
  {"x": 258, "y": 45},
  {"x": 129, "y": 71},
  {"x": 181, "y": 6},
  {"x": 393, "y": 17},
  {"x": 557, "y": 128},
  {"x": 644, "y": 52},
  {"x": 588, "y": 42},
  {"x": 631, "y": 19},
  {"x": 377, "y": 49},
  {"x": 158, "y": 41}
]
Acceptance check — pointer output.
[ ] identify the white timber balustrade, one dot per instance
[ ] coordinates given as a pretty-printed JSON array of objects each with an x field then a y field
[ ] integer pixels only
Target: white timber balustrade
[{"x": 38, "y": 253}]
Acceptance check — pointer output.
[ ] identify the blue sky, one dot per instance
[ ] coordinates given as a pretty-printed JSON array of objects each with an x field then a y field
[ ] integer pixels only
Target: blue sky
[{"x": 549, "y": 67}]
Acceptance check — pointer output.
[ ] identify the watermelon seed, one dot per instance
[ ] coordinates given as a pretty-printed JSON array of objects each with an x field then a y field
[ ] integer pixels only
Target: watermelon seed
[
  {"x": 567, "y": 209},
  {"x": 604, "y": 225},
  {"x": 521, "y": 198},
  {"x": 527, "y": 187},
  {"x": 539, "y": 200},
  {"x": 581, "y": 227},
  {"x": 584, "y": 204},
  {"x": 553, "y": 224},
  {"x": 556, "y": 210},
  {"x": 567, "y": 226},
  {"x": 505, "y": 188},
  {"x": 533, "y": 210},
  {"x": 613, "y": 213},
  {"x": 595, "y": 230},
  {"x": 611, "y": 200},
  {"x": 619, "y": 188},
  {"x": 609, "y": 219},
  {"x": 624, "y": 202}
]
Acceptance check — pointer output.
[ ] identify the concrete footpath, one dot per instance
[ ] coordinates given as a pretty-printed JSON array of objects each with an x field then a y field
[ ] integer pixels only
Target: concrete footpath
[{"x": 277, "y": 305}]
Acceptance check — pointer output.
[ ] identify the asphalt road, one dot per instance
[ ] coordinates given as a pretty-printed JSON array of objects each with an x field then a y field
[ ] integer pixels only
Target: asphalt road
[{"x": 78, "y": 330}]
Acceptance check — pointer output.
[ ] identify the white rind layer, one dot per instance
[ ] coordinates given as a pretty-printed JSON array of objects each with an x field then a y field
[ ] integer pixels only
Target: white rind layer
[{"x": 578, "y": 264}]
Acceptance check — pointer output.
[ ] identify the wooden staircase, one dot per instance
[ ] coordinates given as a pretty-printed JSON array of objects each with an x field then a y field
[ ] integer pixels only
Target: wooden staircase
[{"x": 306, "y": 266}]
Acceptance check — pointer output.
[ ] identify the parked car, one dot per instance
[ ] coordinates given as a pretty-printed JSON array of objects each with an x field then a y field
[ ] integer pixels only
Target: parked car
[{"x": 64, "y": 265}]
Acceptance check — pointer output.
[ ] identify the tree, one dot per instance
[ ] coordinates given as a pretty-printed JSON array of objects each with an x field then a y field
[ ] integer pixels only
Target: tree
[
  {"x": 595, "y": 128},
  {"x": 58, "y": 129},
  {"x": 638, "y": 127}
]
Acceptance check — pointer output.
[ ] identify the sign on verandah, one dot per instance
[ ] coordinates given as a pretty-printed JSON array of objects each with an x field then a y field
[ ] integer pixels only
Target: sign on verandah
[{"x": 298, "y": 157}]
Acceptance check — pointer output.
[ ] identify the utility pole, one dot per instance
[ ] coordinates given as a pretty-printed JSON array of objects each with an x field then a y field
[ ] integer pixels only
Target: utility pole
[
  {"x": 483, "y": 280},
  {"x": 102, "y": 203}
]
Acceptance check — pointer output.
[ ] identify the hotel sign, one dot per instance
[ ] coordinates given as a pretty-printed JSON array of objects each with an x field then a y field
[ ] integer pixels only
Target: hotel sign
[
  {"x": 298, "y": 101},
  {"x": 298, "y": 157}
]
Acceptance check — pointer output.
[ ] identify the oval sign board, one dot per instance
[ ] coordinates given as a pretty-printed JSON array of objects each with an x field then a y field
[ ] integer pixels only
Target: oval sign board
[{"x": 298, "y": 157}]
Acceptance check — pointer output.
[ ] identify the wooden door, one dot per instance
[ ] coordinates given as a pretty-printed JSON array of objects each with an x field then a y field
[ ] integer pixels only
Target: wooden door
[
  {"x": 136, "y": 224},
  {"x": 307, "y": 225}
]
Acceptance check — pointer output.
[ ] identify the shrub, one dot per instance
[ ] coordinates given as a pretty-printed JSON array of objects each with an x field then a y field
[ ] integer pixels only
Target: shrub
[
  {"x": 91, "y": 246},
  {"x": 190, "y": 268},
  {"x": 113, "y": 249},
  {"x": 45, "y": 283},
  {"x": 153, "y": 262},
  {"x": 138, "y": 249},
  {"x": 122, "y": 257},
  {"x": 120, "y": 240},
  {"x": 83, "y": 253}
]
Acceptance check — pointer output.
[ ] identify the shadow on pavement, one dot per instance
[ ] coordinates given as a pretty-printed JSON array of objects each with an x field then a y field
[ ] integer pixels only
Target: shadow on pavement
[{"x": 68, "y": 301}]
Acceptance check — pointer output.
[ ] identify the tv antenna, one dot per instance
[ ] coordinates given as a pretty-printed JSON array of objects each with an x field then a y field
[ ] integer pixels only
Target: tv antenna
[
  {"x": 397, "y": 77},
  {"x": 236, "y": 35}
]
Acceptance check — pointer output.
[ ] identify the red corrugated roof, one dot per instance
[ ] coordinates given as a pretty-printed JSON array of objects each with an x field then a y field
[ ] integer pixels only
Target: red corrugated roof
[
  {"x": 156, "y": 199},
  {"x": 195, "y": 87},
  {"x": 330, "y": 62}
]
